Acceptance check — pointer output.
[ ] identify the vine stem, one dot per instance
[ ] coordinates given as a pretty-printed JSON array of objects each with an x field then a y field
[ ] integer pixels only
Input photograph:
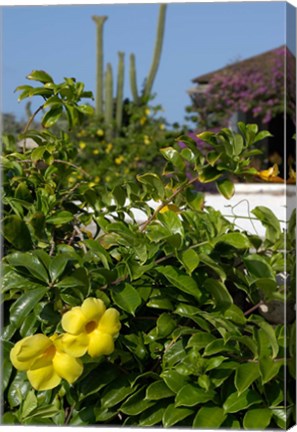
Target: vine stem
[
  {"x": 29, "y": 124},
  {"x": 166, "y": 202},
  {"x": 61, "y": 162},
  {"x": 256, "y": 306}
]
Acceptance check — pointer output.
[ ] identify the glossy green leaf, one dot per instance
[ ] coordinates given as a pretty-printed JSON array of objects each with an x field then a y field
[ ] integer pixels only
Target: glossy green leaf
[
  {"x": 174, "y": 157},
  {"x": 173, "y": 379},
  {"x": 6, "y": 364},
  {"x": 235, "y": 314},
  {"x": 136, "y": 403},
  {"x": 258, "y": 418},
  {"x": 31, "y": 263},
  {"x": 126, "y": 297},
  {"x": 158, "y": 390},
  {"x": 60, "y": 218},
  {"x": 154, "y": 182},
  {"x": 236, "y": 239},
  {"x": 226, "y": 188},
  {"x": 269, "y": 368},
  {"x": 52, "y": 116},
  {"x": 18, "y": 389},
  {"x": 190, "y": 259},
  {"x": 209, "y": 174},
  {"x": 173, "y": 415},
  {"x": 258, "y": 267},
  {"x": 165, "y": 325},
  {"x": 16, "y": 232},
  {"x": 235, "y": 402},
  {"x": 153, "y": 415},
  {"x": 24, "y": 305},
  {"x": 209, "y": 417},
  {"x": 178, "y": 279},
  {"x": 245, "y": 375},
  {"x": 116, "y": 392},
  {"x": 221, "y": 297},
  {"x": 191, "y": 395},
  {"x": 30, "y": 403},
  {"x": 57, "y": 266},
  {"x": 209, "y": 262},
  {"x": 41, "y": 76},
  {"x": 269, "y": 221}
]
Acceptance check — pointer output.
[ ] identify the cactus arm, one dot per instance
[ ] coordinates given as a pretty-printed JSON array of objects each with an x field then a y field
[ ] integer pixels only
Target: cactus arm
[
  {"x": 108, "y": 114},
  {"x": 99, "y": 20},
  {"x": 120, "y": 91},
  {"x": 133, "y": 80},
  {"x": 157, "y": 51}
]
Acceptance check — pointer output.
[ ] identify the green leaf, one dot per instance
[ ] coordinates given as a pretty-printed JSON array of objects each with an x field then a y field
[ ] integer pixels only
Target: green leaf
[
  {"x": 174, "y": 157},
  {"x": 18, "y": 389},
  {"x": 16, "y": 232},
  {"x": 262, "y": 135},
  {"x": 173, "y": 379},
  {"x": 24, "y": 305},
  {"x": 258, "y": 418},
  {"x": 258, "y": 267},
  {"x": 181, "y": 281},
  {"x": 245, "y": 375},
  {"x": 30, "y": 262},
  {"x": 165, "y": 325},
  {"x": 269, "y": 368},
  {"x": 52, "y": 116},
  {"x": 30, "y": 403},
  {"x": 158, "y": 390},
  {"x": 235, "y": 314},
  {"x": 57, "y": 266},
  {"x": 6, "y": 364},
  {"x": 238, "y": 144},
  {"x": 60, "y": 218},
  {"x": 173, "y": 415},
  {"x": 209, "y": 417},
  {"x": 190, "y": 259},
  {"x": 136, "y": 404},
  {"x": 190, "y": 395},
  {"x": 235, "y": 402},
  {"x": 154, "y": 182},
  {"x": 39, "y": 75},
  {"x": 235, "y": 239},
  {"x": 126, "y": 297},
  {"x": 97, "y": 379},
  {"x": 209, "y": 262},
  {"x": 226, "y": 188},
  {"x": 220, "y": 294},
  {"x": 116, "y": 392},
  {"x": 270, "y": 222},
  {"x": 209, "y": 174},
  {"x": 270, "y": 333},
  {"x": 86, "y": 109},
  {"x": 153, "y": 415}
]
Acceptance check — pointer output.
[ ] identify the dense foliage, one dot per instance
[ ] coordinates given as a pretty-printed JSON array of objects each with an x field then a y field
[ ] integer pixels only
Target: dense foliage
[{"x": 195, "y": 346}]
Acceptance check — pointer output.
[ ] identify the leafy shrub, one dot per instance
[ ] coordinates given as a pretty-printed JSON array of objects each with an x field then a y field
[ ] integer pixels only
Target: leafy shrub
[{"x": 196, "y": 347}]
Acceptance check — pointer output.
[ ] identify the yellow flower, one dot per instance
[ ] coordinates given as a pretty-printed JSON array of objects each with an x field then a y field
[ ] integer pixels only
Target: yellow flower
[
  {"x": 271, "y": 174},
  {"x": 99, "y": 132},
  {"x": 91, "y": 184},
  {"x": 146, "y": 139},
  {"x": 97, "y": 179},
  {"x": 147, "y": 111},
  {"x": 71, "y": 180},
  {"x": 45, "y": 361},
  {"x": 119, "y": 160},
  {"x": 108, "y": 148},
  {"x": 162, "y": 126},
  {"x": 82, "y": 145},
  {"x": 95, "y": 151},
  {"x": 170, "y": 207},
  {"x": 90, "y": 328},
  {"x": 142, "y": 120}
]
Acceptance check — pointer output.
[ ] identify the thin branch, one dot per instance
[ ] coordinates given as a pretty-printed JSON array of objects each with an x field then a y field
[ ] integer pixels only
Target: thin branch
[
  {"x": 166, "y": 202},
  {"x": 29, "y": 124}
]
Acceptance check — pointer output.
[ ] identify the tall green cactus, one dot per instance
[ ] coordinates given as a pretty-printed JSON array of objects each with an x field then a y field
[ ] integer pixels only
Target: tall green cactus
[
  {"x": 133, "y": 80},
  {"x": 157, "y": 52},
  {"x": 99, "y": 20},
  {"x": 108, "y": 111},
  {"x": 120, "y": 91}
]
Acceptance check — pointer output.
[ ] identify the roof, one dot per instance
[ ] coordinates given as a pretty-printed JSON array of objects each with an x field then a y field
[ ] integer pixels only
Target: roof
[{"x": 261, "y": 61}]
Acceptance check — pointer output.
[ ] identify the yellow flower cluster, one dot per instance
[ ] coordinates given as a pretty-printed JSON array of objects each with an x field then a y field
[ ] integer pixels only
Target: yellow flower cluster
[
  {"x": 89, "y": 328},
  {"x": 82, "y": 145},
  {"x": 119, "y": 160},
  {"x": 108, "y": 148},
  {"x": 146, "y": 140}
]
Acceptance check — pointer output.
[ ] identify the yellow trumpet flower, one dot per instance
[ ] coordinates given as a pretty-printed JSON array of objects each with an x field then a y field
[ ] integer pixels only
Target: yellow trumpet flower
[
  {"x": 45, "y": 361},
  {"x": 271, "y": 174},
  {"x": 90, "y": 328}
]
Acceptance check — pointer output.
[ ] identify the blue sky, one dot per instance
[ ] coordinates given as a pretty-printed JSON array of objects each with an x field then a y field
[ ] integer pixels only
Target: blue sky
[{"x": 199, "y": 38}]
